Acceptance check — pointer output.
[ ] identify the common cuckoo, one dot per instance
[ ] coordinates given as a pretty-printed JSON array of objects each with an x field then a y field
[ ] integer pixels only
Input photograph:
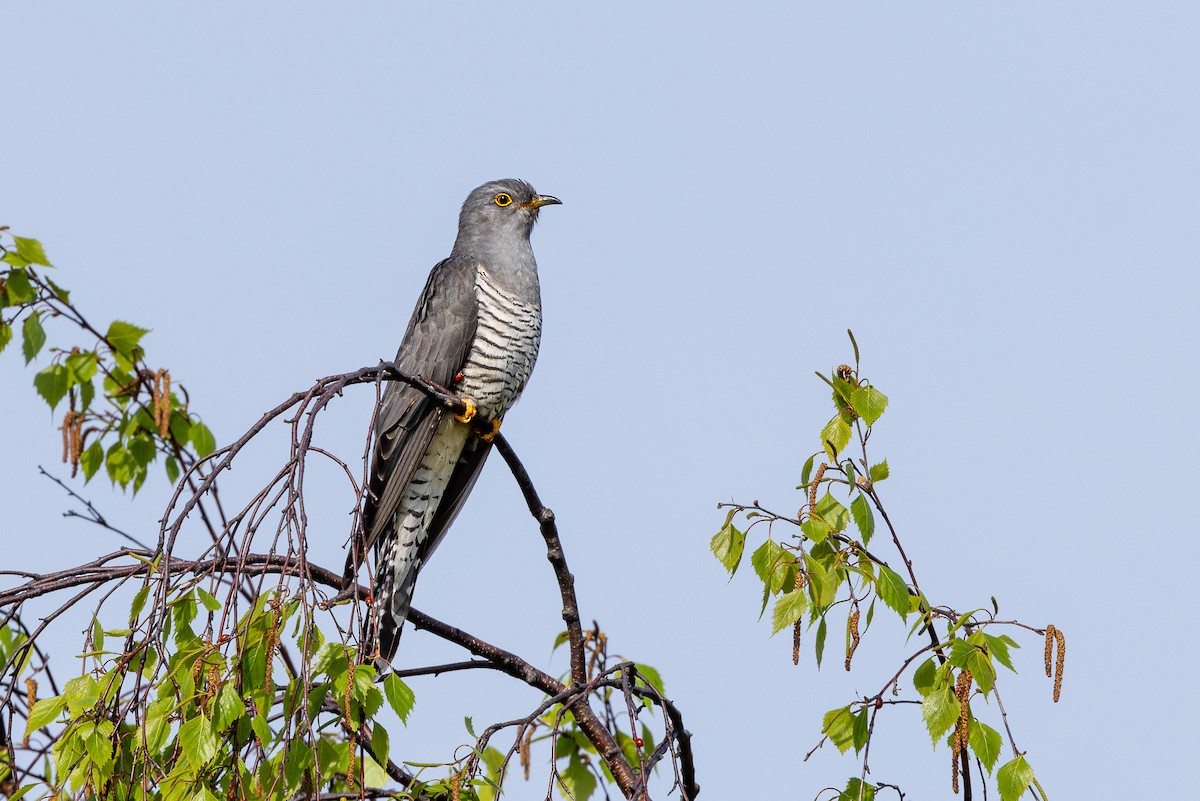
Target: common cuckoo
[{"x": 475, "y": 331}]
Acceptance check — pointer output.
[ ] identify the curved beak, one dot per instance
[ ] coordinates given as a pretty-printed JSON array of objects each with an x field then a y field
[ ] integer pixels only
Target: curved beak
[{"x": 544, "y": 200}]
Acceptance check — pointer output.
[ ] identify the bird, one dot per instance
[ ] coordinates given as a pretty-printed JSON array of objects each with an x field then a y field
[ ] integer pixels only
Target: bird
[{"x": 475, "y": 330}]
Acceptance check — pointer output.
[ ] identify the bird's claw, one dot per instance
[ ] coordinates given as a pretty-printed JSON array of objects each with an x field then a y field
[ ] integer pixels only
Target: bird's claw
[
  {"x": 491, "y": 435},
  {"x": 468, "y": 414}
]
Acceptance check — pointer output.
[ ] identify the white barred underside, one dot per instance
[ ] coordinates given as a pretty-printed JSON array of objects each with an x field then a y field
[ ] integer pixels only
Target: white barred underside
[{"x": 507, "y": 336}]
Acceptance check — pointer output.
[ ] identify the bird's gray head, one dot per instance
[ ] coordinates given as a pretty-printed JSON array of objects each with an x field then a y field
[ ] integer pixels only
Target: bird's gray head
[{"x": 499, "y": 212}]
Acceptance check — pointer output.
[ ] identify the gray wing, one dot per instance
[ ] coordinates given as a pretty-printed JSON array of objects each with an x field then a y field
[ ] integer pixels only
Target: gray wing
[{"x": 435, "y": 347}]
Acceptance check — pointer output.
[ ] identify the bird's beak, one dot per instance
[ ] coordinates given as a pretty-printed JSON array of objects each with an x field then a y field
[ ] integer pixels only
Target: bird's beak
[{"x": 544, "y": 200}]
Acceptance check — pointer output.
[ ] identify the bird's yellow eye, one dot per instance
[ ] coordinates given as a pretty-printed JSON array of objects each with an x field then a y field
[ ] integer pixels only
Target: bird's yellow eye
[{"x": 503, "y": 199}]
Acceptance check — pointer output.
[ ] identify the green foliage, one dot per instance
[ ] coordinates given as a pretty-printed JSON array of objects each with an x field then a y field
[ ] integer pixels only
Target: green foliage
[
  {"x": 140, "y": 419},
  {"x": 33, "y": 336},
  {"x": 869, "y": 403},
  {"x": 940, "y": 711},
  {"x": 985, "y": 742},
  {"x": 827, "y": 568},
  {"x": 788, "y": 609},
  {"x": 892, "y": 590},
  {"x": 856, "y": 790},
  {"x": 864, "y": 518},
  {"x": 845, "y": 729},
  {"x": 728, "y": 545},
  {"x": 31, "y": 251},
  {"x": 399, "y": 696},
  {"x": 1014, "y": 778}
]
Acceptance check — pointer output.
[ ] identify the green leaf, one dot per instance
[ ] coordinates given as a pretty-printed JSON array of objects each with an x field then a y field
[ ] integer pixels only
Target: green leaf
[
  {"x": 124, "y": 338},
  {"x": 399, "y": 696},
  {"x": 87, "y": 392},
  {"x": 31, "y": 251},
  {"x": 82, "y": 366},
  {"x": 380, "y": 743},
  {"x": 979, "y": 662},
  {"x": 788, "y": 609},
  {"x": 198, "y": 741},
  {"x": 158, "y": 724},
  {"x": 120, "y": 464},
  {"x": 864, "y": 518},
  {"x": 6, "y": 335},
  {"x": 331, "y": 660},
  {"x": 821, "y": 631},
  {"x": 832, "y": 512},
  {"x": 822, "y": 584},
  {"x": 52, "y": 384},
  {"x": 99, "y": 746},
  {"x": 579, "y": 779},
  {"x": 206, "y": 598},
  {"x": 999, "y": 647},
  {"x": 879, "y": 471},
  {"x": 332, "y": 757},
  {"x": 262, "y": 730},
  {"x": 91, "y": 459},
  {"x": 181, "y": 427},
  {"x": 771, "y": 562},
  {"x": 857, "y": 791},
  {"x": 843, "y": 390},
  {"x": 728, "y": 545},
  {"x": 19, "y": 794},
  {"x": 862, "y": 726},
  {"x": 870, "y": 403},
  {"x": 202, "y": 439},
  {"x": 925, "y": 677},
  {"x": 300, "y": 758},
  {"x": 838, "y": 726},
  {"x": 172, "y": 468},
  {"x": 18, "y": 288},
  {"x": 835, "y": 435},
  {"x": 940, "y": 710},
  {"x": 14, "y": 258},
  {"x": 139, "y": 603},
  {"x": 851, "y": 473},
  {"x": 985, "y": 742},
  {"x": 806, "y": 473},
  {"x": 33, "y": 336},
  {"x": 44, "y": 712},
  {"x": 1014, "y": 778},
  {"x": 97, "y": 634},
  {"x": 81, "y": 694},
  {"x": 893, "y": 591},
  {"x": 815, "y": 528},
  {"x": 374, "y": 774}
]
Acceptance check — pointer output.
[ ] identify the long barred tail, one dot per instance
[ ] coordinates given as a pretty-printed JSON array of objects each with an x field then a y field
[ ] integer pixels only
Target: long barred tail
[{"x": 395, "y": 580}]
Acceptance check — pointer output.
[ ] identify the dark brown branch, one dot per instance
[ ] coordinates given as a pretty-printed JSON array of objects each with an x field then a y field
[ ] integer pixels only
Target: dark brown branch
[
  {"x": 591, "y": 725},
  {"x": 93, "y": 514}
]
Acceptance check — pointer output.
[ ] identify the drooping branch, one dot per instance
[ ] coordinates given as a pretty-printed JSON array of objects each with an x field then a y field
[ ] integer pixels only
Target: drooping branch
[
  {"x": 631, "y": 785},
  {"x": 229, "y": 558}
]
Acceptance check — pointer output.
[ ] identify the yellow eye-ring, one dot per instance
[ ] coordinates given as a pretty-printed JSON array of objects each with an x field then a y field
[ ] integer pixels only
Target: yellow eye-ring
[{"x": 503, "y": 199}]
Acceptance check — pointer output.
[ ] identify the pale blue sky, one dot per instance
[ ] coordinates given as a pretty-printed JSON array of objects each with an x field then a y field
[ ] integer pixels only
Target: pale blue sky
[{"x": 1000, "y": 199}]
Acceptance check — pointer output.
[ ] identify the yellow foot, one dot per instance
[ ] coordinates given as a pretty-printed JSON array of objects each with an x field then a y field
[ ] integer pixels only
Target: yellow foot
[
  {"x": 468, "y": 415},
  {"x": 491, "y": 435}
]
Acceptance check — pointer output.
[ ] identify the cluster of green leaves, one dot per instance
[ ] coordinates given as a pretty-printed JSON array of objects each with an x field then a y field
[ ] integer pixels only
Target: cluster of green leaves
[
  {"x": 825, "y": 563},
  {"x": 124, "y": 433},
  {"x": 205, "y": 720}
]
